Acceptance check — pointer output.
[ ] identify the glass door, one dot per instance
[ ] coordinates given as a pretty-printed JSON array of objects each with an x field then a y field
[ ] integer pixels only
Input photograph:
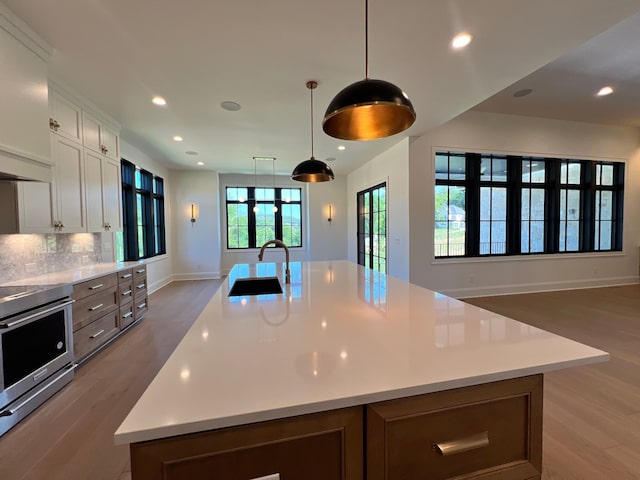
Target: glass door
[{"x": 372, "y": 227}]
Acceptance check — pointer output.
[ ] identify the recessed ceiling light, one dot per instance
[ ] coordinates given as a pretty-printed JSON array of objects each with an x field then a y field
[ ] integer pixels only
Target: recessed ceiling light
[
  {"x": 604, "y": 91},
  {"x": 190, "y": 152},
  {"x": 178, "y": 138},
  {"x": 341, "y": 147},
  {"x": 523, "y": 93},
  {"x": 461, "y": 40},
  {"x": 230, "y": 106},
  {"x": 159, "y": 101},
  {"x": 200, "y": 163}
]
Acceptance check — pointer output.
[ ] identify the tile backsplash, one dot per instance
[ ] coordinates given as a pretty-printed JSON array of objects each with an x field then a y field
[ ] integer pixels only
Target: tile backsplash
[{"x": 23, "y": 256}]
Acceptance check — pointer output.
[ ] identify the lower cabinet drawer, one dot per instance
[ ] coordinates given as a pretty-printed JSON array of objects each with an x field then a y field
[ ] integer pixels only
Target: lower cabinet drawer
[
  {"x": 491, "y": 431},
  {"x": 140, "y": 305},
  {"x": 126, "y": 315},
  {"x": 92, "y": 336},
  {"x": 88, "y": 309},
  {"x": 323, "y": 446}
]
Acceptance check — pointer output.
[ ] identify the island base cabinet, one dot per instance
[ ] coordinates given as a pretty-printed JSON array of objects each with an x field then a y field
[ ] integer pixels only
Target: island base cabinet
[
  {"x": 322, "y": 446},
  {"x": 490, "y": 432}
]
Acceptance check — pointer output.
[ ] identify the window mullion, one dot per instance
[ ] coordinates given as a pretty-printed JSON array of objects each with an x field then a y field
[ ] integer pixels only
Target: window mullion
[{"x": 472, "y": 202}]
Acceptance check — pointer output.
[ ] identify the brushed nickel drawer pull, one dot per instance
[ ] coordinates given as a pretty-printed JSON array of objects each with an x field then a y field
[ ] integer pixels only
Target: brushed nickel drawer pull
[
  {"x": 142, "y": 270},
  {"x": 273, "y": 476},
  {"x": 97, "y": 334},
  {"x": 141, "y": 286},
  {"x": 126, "y": 275},
  {"x": 128, "y": 292},
  {"x": 127, "y": 315},
  {"x": 142, "y": 305},
  {"x": 95, "y": 287},
  {"x": 466, "y": 444},
  {"x": 96, "y": 307}
]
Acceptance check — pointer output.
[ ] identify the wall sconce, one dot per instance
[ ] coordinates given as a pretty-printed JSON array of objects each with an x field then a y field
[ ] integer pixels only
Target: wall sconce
[
  {"x": 194, "y": 214},
  {"x": 330, "y": 218}
]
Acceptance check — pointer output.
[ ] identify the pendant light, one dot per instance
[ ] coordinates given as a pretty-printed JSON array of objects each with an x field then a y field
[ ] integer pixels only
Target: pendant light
[
  {"x": 368, "y": 109},
  {"x": 312, "y": 170}
]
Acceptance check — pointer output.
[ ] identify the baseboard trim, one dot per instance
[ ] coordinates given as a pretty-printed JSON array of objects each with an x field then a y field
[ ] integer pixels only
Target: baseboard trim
[{"x": 539, "y": 287}]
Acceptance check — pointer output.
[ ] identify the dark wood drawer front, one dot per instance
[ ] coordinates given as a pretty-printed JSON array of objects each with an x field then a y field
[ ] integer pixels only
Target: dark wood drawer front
[
  {"x": 138, "y": 272},
  {"x": 91, "y": 287},
  {"x": 94, "y": 335},
  {"x": 125, "y": 292},
  {"x": 125, "y": 276},
  {"x": 126, "y": 315},
  {"x": 325, "y": 446},
  {"x": 465, "y": 433},
  {"x": 140, "y": 306},
  {"x": 90, "y": 308}
]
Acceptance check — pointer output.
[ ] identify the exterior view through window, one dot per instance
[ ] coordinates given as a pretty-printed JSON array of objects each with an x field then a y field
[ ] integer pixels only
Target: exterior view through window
[
  {"x": 372, "y": 227},
  {"x": 491, "y": 204},
  {"x": 256, "y": 215}
]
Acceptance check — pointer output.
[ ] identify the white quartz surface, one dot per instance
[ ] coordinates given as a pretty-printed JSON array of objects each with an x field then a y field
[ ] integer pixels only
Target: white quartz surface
[
  {"x": 75, "y": 275},
  {"x": 340, "y": 335}
]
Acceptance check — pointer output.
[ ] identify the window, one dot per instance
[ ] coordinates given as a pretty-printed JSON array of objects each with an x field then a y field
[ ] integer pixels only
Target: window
[
  {"x": 372, "y": 228},
  {"x": 489, "y": 204},
  {"x": 256, "y": 215},
  {"x": 143, "y": 234}
]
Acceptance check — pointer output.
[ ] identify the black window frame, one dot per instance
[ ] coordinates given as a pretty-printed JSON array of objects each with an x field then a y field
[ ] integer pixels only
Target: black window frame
[
  {"x": 553, "y": 186},
  {"x": 251, "y": 202},
  {"x": 151, "y": 193}
]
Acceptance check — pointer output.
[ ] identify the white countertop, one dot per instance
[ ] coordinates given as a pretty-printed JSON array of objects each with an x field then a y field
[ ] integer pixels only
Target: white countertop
[
  {"x": 340, "y": 335},
  {"x": 75, "y": 275}
]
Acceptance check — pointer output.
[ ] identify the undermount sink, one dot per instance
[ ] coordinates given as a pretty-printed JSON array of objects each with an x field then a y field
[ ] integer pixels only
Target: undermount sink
[{"x": 255, "y": 286}]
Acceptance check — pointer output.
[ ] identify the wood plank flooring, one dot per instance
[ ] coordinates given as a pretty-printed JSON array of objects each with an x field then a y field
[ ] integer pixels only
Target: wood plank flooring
[
  {"x": 591, "y": 413},
  {"x": 591, "y": 416},
  {"x": 71, "y": 436}
]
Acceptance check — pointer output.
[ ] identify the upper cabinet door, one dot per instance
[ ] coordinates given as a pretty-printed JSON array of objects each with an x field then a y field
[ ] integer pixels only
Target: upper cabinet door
[
  {"x": 91, "y": 129},
  {"x": 109, "y": 141},
  {"x": 65, "y": 117}
]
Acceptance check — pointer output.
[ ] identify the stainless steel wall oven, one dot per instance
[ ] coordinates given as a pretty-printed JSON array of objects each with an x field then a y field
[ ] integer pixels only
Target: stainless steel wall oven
[{"x": 36, "y": 348}]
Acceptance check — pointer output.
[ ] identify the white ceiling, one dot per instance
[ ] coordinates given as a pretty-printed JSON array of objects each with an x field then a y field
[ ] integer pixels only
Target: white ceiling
[{"x": 259, "y": 53}]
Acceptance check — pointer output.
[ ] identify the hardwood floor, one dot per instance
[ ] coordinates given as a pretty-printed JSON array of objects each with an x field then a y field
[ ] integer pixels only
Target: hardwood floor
[
  {"x": 591, "y": 414},
  {"x": 71, "y": 436}
]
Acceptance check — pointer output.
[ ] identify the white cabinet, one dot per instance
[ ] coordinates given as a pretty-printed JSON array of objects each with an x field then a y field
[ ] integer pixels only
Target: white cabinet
[
  {"x": 24, "y": 142},
  {"x": 26, "y": 207},
  {"x": 68, "y": 180},
  {"x": 99, "y": 137},
  {"x": 65, "y": 117},
  {"x": 103, "y": 198}
]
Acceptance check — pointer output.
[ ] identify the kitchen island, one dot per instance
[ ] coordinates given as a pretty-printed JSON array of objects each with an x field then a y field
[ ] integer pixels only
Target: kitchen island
[{"x": 347, "y": 374}]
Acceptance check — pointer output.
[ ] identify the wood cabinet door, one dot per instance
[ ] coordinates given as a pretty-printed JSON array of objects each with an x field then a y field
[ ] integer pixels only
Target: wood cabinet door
[{"x": 321, "y": 446}]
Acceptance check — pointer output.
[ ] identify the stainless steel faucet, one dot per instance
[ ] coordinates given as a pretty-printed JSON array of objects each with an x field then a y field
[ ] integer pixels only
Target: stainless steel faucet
[{"x": 280, "y": 243}]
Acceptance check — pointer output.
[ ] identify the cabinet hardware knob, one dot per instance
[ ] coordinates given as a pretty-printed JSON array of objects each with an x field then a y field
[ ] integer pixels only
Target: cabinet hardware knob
[
  {"x": 97, "y": 334},
  {"x": 96, "y": 307},
  {"x": 53, "y": 125},
  {"x": 95, "y": 287},
  {"x": 461, "y": 445}
]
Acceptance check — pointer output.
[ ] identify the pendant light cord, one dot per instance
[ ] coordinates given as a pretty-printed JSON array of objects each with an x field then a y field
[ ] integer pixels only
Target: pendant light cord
[
  {"x": 312, "y": 121},
  {"x": 366, "y": 39}
]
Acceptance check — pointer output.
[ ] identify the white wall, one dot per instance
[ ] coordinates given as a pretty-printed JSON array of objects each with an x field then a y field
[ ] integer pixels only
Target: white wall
[
  {"x": 391, "y": 167},
  {"x": 484, "y": 132},
  {"x": 196, "y": 251},
  {"x": 320, "y": 240},
  {"x": 159, "y": 269}
]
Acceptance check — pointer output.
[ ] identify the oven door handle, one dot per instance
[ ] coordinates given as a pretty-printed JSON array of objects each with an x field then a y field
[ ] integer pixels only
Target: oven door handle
[
  {"x": 13, "y": 410},
  {"x": 36, "y": 315}
]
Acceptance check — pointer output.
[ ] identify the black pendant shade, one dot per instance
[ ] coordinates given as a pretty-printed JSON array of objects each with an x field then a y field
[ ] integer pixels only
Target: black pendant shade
[
  {"x": 312, "y": 171},
  {"x": 367, "y": 110}
]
